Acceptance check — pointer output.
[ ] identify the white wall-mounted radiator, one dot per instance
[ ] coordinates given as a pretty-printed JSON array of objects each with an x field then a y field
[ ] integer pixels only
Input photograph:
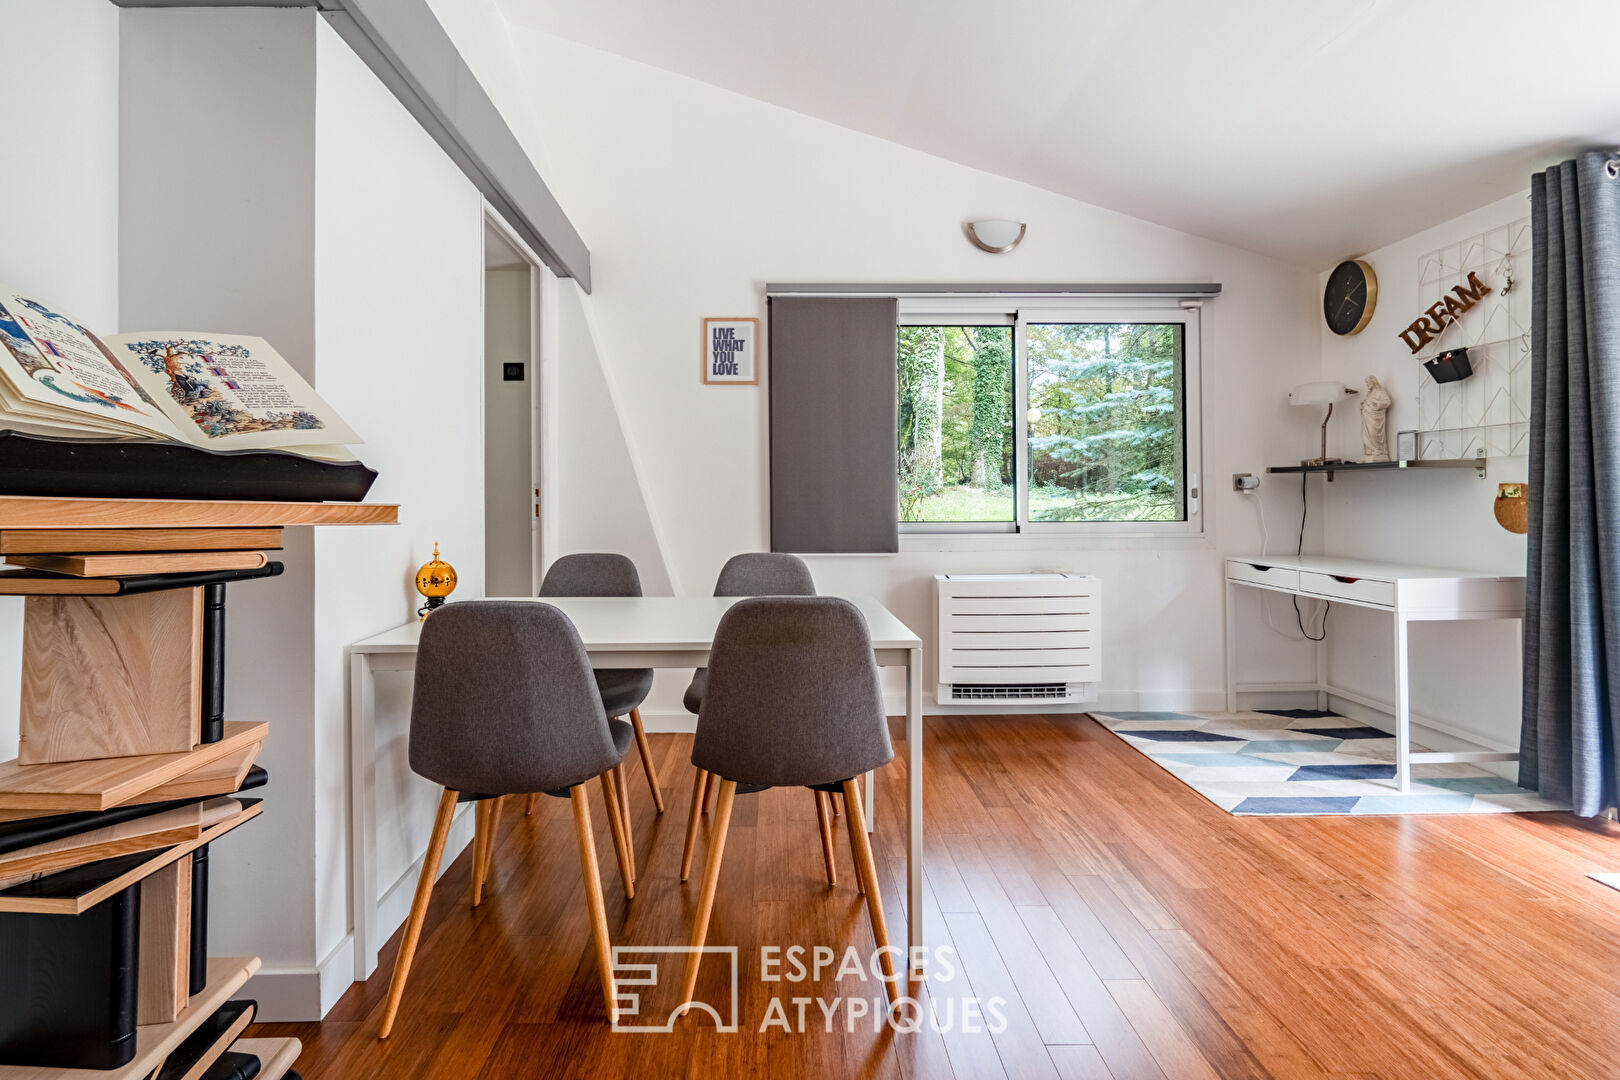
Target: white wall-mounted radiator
[{"x": 1019, "y": 637}]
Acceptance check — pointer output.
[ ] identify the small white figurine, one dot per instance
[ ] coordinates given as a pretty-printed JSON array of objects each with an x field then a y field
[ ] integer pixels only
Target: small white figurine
[{"x": 1375, "y": 421}]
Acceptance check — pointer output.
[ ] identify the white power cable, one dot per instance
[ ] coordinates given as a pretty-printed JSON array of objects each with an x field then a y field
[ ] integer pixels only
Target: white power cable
[{"x": 1265, "y": 544}]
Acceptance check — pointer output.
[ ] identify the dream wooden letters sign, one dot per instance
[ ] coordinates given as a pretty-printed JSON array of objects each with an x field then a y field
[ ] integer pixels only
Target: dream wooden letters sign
[{"x": 1428, "y": 326}]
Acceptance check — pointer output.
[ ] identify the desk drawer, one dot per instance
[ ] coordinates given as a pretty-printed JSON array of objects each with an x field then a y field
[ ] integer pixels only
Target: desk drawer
[
  {"x": 1359, "y": 590},
  {"x": 1260, "y": 574}
]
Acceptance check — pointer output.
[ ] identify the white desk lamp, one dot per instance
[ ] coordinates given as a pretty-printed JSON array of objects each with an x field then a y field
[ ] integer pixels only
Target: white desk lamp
[{"x": 1319, "y": 393}]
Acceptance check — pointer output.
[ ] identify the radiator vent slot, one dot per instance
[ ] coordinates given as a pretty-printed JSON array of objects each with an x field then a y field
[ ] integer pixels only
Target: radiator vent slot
[
  {"x": 1019, "y": 637},
  {"x": 1010, "y": 692}
]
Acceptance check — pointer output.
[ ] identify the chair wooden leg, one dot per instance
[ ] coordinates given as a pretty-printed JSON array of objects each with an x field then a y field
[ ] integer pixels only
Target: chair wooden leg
[
  {"x": 624, "y": 815},
  {"x": 824, "y": 819},
  {"x": 528, "y": 806},
  {"x": 711, "y": 883},
  {"x": 855, "y": 819},
  {"x": 835, "y": 800},
  {"x": 610, "y": 796},
  {"x": 592, "y": 876},
  {"x": 480, "y": 842},
  {"x": 700, "y": 787},
  {"x": 647, "y": 765},
  {"x": 708, "y": 790},
  {"x": 493, "y": 831},
  {"x": 419, "y": 906}
]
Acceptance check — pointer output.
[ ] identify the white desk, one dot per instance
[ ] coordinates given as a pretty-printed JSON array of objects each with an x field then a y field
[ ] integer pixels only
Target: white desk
[
  {"x": 1408, "y": 593},
  {"x": 618, "y": 632}
]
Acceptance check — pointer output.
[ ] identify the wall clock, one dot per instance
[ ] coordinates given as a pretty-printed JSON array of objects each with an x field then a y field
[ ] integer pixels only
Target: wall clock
[{"x": 1350, "y": 296}]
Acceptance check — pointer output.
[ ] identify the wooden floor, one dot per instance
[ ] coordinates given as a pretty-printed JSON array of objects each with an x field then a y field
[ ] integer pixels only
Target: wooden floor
[{"x": 1132, "y": 929}]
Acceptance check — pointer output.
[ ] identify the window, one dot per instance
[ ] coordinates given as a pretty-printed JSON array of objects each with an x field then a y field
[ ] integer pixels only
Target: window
[
  {"x": 1076, "y": 419},
  {"x": 956, "y": 439}
]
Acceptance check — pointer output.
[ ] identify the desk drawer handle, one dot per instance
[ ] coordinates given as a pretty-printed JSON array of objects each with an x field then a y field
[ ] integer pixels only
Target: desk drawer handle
[
  {"x": 1344, "y": 580},
  {"x": 1261, "y": 567}
]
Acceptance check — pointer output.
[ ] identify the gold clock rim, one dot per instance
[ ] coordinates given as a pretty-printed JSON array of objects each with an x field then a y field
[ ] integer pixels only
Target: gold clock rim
[{"x": 1372, "y": 296}]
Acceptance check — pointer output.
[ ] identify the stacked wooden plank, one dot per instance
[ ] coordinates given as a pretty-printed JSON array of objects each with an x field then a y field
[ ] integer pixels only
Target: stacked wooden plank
[{"x": 126, "y": 772}]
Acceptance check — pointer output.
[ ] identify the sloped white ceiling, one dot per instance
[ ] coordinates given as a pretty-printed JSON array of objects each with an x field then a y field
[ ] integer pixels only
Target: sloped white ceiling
[{"x": 1302, "y": 129}]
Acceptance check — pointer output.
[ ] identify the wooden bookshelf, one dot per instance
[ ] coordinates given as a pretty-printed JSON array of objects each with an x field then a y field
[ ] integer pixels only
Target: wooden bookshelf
[
  {"x": 15, "y": 581},
  {"x": 127, "y": 563},
  {"x": 149, "y": 833},
  {"x": 38, "y": 512},
  {"x": 155, "y": 1042},
  {"x": 55, "y": 541},
  {"x": 106, "y": 677},
  {"x": 276, "y": 1056},
  {"x": 103, "y": 783},
  {"x": 126, "y": 706},
  {"x": 141, "y": 869}
]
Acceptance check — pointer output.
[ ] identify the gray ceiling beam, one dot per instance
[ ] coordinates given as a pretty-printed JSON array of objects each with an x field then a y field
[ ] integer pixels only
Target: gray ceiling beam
[{"x": 404, "y": 45}]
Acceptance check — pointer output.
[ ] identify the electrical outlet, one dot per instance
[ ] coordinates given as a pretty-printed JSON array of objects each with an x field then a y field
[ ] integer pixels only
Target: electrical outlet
[{"x": 1243, "y": 481}]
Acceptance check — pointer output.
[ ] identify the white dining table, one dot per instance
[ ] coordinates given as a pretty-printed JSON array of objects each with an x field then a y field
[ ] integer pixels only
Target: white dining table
[{"x": 618, "y": 632}]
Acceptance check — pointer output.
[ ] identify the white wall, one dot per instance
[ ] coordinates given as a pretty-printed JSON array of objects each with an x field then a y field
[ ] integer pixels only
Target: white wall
[
  {"x": 508, "y": 436},
  {"x": 59, "y": 183},
  {"x": 1464, "y": 675},
  {"x": 338, "y": 230},
  {"x": 230, "y": 250},
  {"x": 602, "y": 499},
  {"x": 691, "y": 198},
  {"x": 61, "y": 200},
  {"x": 398, "y": 284}
]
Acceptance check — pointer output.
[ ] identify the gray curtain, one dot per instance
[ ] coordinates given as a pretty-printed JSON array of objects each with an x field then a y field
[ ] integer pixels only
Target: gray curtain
[
  {"x": 1571, "y": 734},
  {"x": 834, "y": 443}
]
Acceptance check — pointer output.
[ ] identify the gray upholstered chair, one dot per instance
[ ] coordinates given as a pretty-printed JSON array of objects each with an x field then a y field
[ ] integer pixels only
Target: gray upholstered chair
[
  {"x": 754, "y": 573},
  {"x": 623, "y": 690},
  {"x": 805, "y": 663},
  {"x": 505, "y": 704}
]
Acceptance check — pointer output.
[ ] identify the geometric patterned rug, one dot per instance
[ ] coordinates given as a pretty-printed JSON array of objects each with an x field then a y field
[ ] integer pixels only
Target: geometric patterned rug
[{"x": 1304, "y": 762}]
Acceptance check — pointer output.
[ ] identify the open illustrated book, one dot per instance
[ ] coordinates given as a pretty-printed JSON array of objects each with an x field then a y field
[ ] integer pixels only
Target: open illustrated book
[{"x": 217, "y": 391}]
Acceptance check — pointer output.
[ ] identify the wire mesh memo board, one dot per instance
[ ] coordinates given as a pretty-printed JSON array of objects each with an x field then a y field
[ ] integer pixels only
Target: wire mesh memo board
[{"x": 1489, "y": 412}]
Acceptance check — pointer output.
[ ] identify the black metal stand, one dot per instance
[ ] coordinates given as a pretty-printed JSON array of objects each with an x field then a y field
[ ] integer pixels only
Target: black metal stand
[
  {"x": 213, "y": 663},
  {"x": 199, "y": 919}
]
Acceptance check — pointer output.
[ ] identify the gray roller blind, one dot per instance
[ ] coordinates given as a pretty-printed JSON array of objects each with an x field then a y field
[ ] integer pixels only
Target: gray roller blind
[{"x": 834, "y": 485}]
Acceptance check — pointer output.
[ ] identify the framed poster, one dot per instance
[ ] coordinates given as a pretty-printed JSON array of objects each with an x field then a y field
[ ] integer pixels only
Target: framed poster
[{"x": 731, "y": 352}]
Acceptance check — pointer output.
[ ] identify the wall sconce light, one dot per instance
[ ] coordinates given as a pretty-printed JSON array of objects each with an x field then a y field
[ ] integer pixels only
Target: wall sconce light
[{"x": 997, "y": 236}]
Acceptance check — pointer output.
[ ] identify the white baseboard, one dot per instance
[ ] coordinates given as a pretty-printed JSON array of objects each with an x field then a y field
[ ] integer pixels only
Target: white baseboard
[
  {"x": 1366, "y": 709},
  {"x": 394, "y": 905},
  {"x": 1110, "y": 701},
  {"x": 669, "y": 723},
  {"x": 292, "y": 994},
  {"x": 1160, "y": 700},
  {"x": 1427, "y": 731}
]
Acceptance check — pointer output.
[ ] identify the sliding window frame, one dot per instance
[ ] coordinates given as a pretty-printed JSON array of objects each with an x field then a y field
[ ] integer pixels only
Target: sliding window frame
[{"x": 1019, "y": 313}]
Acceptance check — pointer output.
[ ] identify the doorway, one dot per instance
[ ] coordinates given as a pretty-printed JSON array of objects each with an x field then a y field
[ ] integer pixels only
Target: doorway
[{"x": 511, "y": 399}]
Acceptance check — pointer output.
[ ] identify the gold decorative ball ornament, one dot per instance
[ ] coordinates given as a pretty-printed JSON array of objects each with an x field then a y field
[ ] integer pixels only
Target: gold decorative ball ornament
[
  {"x": 435, "y": 580},
  {"x": 1513, "y": 507}
]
